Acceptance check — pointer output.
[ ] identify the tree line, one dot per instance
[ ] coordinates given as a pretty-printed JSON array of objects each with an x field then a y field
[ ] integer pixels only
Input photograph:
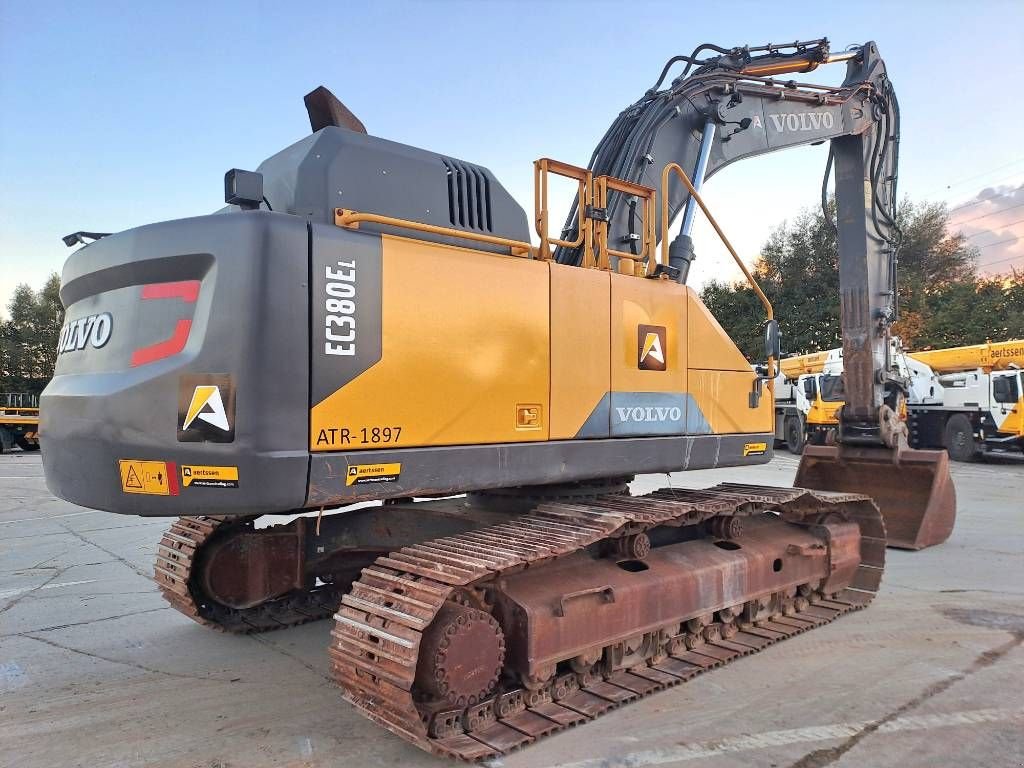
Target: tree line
[
  {"x": 943, "y": 301},
  {"x": 28, "y": 338}
]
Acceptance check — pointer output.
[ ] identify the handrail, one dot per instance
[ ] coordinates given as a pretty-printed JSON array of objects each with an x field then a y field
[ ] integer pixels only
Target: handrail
[
  {"x": 584, "y": 194},
  {"x": 352, "y": 219},
  {"x": 696, "y": 196},
  {"x": 643, "y": 261},
  {"x": 675, "y": 167}
]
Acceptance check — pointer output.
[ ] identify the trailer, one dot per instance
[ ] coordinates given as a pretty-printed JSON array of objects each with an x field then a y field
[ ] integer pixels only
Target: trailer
[{"x": 19, "y": 421}]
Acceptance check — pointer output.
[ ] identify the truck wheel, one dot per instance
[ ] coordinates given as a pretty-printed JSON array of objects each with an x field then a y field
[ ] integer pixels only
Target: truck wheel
[
  {"x": 794, "y": 435},
  {"x": 960, "y": 439}
]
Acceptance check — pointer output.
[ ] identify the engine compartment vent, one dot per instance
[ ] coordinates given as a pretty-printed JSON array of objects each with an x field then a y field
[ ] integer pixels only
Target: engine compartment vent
[{"x": 469, "y": 196}]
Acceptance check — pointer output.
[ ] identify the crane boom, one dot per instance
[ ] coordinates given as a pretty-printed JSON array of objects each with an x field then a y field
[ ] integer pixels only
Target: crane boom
[
  {"x": 991, "y": 356},
  {"x": 812, "y": 362}
]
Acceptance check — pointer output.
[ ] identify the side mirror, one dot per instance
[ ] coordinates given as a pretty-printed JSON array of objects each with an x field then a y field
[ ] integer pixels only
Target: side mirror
[{"x": 772, "y": 339}]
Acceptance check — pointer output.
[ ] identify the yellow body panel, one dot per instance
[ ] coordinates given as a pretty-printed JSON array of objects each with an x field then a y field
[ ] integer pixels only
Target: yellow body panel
[
  {"x": 1013, "y": 424},
  {"x": 720, "y": 377},
  {"x": 465, "y": 347},
  {"x": 635, "y": 302},
  {"x": 481, "y": 348},
  {"x": 723, "y": 398},
  {"x": 580, "y": 346},
  {"x": 711, "y": 349}
]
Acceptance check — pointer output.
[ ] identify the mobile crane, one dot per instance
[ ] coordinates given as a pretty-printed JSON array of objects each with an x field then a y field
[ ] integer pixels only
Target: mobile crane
[
  {"x": 802, "y": 413},
  {"x": 974, "y": 402},
  {"x": 966, "y": 400},
  {"x": 389, "y": 332}
]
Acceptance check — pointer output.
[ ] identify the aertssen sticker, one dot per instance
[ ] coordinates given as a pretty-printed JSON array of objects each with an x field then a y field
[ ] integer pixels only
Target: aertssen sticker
[
  {"x": 373, "y": 473},
  {"x": 199, "y": 476}
]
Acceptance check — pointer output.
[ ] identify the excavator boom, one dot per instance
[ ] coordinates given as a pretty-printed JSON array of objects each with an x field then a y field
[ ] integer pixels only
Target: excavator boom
[{"x": 737, "y": 114}]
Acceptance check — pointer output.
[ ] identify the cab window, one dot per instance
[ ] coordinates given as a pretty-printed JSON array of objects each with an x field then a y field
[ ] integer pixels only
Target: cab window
[
  {"x": 1005, "y": 389},
  {"x": 832, "y": 388}
]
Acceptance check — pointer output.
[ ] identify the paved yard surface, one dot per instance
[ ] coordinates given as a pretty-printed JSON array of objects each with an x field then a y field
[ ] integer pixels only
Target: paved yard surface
[{"x": 96, "y": 671}]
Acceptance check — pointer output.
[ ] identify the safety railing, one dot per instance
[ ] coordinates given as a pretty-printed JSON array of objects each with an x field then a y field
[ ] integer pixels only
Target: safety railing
[
  {"x": 630, "y": 263},
  {"x": 592, "y": 237},
  {"x": 18, "y": 400},
  {"x": 584, "y": 193},
  {"x": 666, "y": 175},
  {"x": 592, "y": 215},
  {"x": 352, "y": 219}
]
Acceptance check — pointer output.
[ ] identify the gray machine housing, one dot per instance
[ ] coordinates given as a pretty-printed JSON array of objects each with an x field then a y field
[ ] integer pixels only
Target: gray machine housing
[{"x": 338, "y": 168}]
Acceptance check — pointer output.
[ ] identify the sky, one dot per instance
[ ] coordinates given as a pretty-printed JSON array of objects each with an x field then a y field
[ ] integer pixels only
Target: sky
[{"x": 114, "y": 115}]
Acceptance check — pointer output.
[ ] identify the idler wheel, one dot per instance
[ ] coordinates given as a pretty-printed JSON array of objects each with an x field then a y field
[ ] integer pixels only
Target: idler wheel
[
  {"x": 635, "y": 547},
  {"x": 728, "y": 527},
  {"x": 461, "y": 655}
]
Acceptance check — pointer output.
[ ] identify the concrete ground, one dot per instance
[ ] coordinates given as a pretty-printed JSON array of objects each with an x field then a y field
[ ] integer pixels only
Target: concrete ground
[{"x": 95, "y": 670}]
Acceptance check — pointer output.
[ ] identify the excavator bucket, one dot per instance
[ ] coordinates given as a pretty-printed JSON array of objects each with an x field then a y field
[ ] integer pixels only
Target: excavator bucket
[{"x": 913, "y": 488}]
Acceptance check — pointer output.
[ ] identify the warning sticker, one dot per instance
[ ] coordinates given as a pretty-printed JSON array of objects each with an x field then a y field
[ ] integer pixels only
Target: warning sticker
[
  {"x": 372, "y": 473},
  {"x": 193, "y": 475},
  {"x": 150, "y": 477},
  {"x": 754, "y": 449}
]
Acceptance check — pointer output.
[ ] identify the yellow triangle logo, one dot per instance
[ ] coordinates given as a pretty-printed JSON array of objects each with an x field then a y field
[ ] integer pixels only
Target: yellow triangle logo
[{"x": 652, "y": 347}]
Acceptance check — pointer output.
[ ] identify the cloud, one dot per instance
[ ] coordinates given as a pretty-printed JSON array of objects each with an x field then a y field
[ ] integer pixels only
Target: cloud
[{"x": 993, "y": 222}]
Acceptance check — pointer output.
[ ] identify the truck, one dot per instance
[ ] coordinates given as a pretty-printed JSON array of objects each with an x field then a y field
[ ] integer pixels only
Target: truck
[
  {"x": 19, "y": 421},
  {"x": 971, "y": 400},
  {"x": 966, "y": 400},
  {"x": 803, "y": 413}
]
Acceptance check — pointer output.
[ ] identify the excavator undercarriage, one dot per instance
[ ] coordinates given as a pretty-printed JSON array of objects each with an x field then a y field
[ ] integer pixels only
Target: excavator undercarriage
[{"x": 481, "y": 641}]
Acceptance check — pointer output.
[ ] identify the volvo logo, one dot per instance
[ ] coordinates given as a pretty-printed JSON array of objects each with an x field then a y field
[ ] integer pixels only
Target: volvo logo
[
  {"x": 802, "y": 121},
  {"x": 650, "y": 413},
  {"x": 92, "y": 330}
]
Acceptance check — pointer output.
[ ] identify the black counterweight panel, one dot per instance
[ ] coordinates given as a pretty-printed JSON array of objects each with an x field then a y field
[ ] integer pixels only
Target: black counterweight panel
[
  {"x": 231, "y": 292},
  {"x": 345, "y": 306}
]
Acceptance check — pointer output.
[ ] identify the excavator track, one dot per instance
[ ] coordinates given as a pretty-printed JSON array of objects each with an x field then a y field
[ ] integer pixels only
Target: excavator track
[
  {"x": 176, "y": 575},
  {"x": 381, "y": 639}
]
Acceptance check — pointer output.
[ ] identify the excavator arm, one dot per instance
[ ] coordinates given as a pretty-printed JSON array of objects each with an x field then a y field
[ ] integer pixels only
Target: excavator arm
[{"x": 731, "y": 106}]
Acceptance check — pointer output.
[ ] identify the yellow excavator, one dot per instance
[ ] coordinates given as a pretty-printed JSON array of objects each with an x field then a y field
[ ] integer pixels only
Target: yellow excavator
[{"x": 372, "y": 322}]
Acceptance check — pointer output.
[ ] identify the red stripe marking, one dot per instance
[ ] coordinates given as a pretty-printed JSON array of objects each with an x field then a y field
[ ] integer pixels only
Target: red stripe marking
[
  {"x": 165, "y": 348},
  {"x": 172, "y": 478},
  {"x": 186, "y": 290}
]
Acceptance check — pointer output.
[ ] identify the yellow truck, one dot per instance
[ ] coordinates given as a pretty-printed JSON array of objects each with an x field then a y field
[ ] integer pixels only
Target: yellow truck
[
  {"x": 807, "y": 398},
  {"x": 19, "y": 421}
]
